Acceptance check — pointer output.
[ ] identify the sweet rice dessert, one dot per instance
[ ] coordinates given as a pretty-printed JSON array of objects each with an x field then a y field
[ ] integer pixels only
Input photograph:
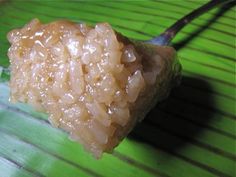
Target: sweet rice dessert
[{"x": 93, "y": 82}]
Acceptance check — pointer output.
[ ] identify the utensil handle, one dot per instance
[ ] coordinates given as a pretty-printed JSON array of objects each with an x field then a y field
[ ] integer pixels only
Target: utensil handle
[{"x": 166, "y": 37}]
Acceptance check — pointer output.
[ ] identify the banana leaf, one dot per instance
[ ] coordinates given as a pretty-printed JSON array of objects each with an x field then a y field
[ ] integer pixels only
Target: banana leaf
[{"x": 191, "y": 134}]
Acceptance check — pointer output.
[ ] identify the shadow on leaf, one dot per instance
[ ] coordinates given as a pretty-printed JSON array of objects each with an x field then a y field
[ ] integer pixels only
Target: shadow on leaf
[{"x": 172, "y": 124}]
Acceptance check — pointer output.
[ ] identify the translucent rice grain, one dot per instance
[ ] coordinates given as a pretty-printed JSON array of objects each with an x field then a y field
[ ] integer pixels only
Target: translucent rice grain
[
  {"x": 74, "y": 46},
  {"x": 99, "y": 113},
  {"x": 76, "y": 77},
  {"x": 99, "y": 132},
  {"x": 135, "y": 85},
  {"x": 128, "y": 54},
  {"x": 120, "y": 115}
]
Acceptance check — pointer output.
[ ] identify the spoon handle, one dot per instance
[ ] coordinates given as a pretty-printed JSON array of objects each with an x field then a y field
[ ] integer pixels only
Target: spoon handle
[{"x": 166, "y": 37}]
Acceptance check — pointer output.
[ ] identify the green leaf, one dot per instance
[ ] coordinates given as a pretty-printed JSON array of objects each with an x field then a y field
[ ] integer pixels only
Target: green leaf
[{"x": 192, "y": 133}]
